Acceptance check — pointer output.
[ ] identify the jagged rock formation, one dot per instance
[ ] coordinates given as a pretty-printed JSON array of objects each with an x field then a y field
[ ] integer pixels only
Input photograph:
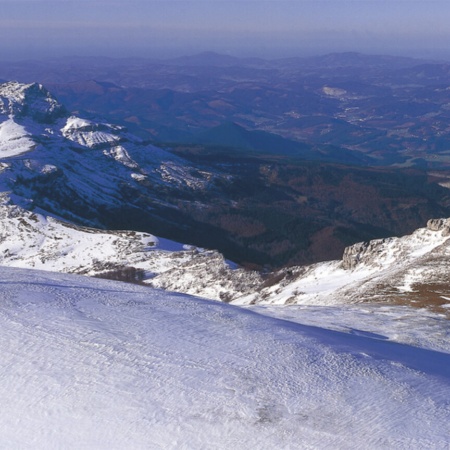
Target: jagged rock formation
[
  {"x": 439, "y": 225},
  {"x": 29, "y": 100},
  {"x": 363, "y": 252},
  {"x": 412, "y": 269}
]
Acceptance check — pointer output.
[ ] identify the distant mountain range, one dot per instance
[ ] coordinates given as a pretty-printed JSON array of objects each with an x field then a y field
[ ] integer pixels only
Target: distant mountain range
[{"x": 373, "y": 110}]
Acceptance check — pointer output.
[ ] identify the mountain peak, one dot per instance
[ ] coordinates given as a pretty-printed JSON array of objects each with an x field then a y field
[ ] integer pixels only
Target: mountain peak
[{"x": 20, "y": 100}]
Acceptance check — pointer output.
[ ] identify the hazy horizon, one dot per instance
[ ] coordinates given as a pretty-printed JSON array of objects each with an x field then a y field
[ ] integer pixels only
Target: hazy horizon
[{"x": 36, "y": 29}]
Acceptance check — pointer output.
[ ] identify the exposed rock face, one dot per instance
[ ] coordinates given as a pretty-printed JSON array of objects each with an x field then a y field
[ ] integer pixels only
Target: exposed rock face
[
  {"x": 29, "y": 100},
  {"x": 363, "y": 252},
  {"x": 439, "y": 225},
  {"x": 206, "y": 274},
  {"x": 412, "y": 269},
  {"x": 369, "y": 252}
]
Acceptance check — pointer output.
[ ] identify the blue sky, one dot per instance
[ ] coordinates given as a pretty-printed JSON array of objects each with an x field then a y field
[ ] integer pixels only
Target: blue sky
[{"x": 36, "y": 28}]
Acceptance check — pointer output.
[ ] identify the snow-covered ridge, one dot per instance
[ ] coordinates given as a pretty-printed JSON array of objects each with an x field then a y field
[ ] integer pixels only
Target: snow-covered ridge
[
  {"x": 382, "y": 252},
  {"x": 383, "y": 270},
  {"x": 29, "y": 100},
  {"x": 91, "y": 166},
  {"x": 30, "y": 240},
  {"x": 90, "y": 134}
]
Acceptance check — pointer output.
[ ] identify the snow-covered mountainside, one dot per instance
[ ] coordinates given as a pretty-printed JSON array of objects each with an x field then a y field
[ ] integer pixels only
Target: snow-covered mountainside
[
  {"x": 412, "y": 269},
  {"x": 94, "y": 173},
  {"x": 89, "y": 363},
  {"x": 98, "y": 174},
  {"x": 31, "y": 240},
  {"x": 92, "y": 363}
]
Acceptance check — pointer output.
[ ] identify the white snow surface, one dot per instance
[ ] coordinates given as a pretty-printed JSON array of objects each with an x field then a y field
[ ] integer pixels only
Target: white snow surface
[
  {"x": 30, "y": 240},
  {"x": 89, "y": 363},
  {"x": 412, "y": 326},
  {"x": 18, "y": 98},
  {"x": 14, "y": 139},
  {"x": 88, "y": 133}
]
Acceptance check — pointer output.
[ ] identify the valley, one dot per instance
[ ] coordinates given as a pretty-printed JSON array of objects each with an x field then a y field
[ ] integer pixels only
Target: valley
[
  {"x": 271, "y": 205},
  {"x": 261, "y": 199},
  {"x": 351, "y": 107},
  {"x": 173, "y": 276}
]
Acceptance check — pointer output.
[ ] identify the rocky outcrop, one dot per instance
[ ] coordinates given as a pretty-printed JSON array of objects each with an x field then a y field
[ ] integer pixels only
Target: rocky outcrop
[
  {"x": 369, "y": 252},
  {"x": 29, "y": 100},
  {"x": 363, "y": 252},
  {"x": 439, "y": 225},
  {"x": 207, "y": 274}
]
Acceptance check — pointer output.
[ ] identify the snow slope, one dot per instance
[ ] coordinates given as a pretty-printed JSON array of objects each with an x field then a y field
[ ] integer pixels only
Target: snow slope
[
  {"x": 14, "y": 139},
  {"x": 73, "y": 167},
  {"x": 89, "y": 363},
  {"x": 412, "y": 268},
  {"x": 31, "y": 240}
]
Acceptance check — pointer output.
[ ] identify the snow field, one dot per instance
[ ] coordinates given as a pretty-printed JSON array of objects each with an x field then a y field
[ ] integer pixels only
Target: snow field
[
  {"x": 88, "y": 363},
  {"x": 14, "y": 139}
]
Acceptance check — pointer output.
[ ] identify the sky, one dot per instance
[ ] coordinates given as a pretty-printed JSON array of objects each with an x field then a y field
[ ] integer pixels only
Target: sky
[{"x": 265, "y": 28}]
